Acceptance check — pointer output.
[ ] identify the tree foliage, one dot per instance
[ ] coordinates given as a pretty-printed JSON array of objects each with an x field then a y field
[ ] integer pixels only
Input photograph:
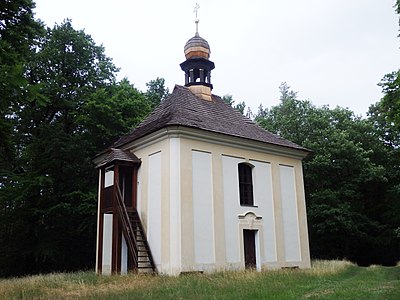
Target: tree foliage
[
  {"x": 72, "y": 109},
  {"x": 112, "y": 111},
  {"x": 389, "y": 106},
  {"x": 156, "y": 91},
  {"x": 240, "y": 107},
  {"x": 397, "y": 9},
  {"x": 346, "y": 178},
  {"x": 18, "y": 35},
  {"x": 352, "y": 179}
]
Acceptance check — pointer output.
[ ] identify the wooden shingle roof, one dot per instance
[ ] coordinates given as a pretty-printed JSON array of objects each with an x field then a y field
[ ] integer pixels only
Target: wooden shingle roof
[
  {"x": 118, "y": 155},
  {"x": 183, "y": 108}
]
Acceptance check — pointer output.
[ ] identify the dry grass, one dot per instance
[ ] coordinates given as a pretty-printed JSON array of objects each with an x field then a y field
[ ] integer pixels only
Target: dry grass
[
  {"x": 73, "y": 285},
  {"x": 326, "y": 279},
  {"x": 324, "y": 267}
]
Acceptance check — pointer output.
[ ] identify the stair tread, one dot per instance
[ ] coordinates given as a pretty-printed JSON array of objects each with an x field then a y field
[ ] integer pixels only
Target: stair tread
[{"x": 142, "y": 248}]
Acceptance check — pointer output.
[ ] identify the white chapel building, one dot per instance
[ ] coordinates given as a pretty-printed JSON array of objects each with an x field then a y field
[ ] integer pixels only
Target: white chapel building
[{"x": 198, "y": 187}]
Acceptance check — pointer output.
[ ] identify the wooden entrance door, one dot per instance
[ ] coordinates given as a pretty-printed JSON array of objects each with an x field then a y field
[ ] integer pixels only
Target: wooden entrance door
[{"x": 249, "y": 239}]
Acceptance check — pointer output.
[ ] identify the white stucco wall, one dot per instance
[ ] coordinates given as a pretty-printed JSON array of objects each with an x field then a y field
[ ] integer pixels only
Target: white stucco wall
[
  {"x": 154, "y": 206},
  {"x": 107, "y": 243},
  {"x": 290, "y": 214},
  {"x": 203, "y": 213},
  {"x": 231, "y": 207},
  {"x": 258, "y": 250},
  {"x": 263, "y": 198},
  {"x": 124, "y": 255},
  {"x": 188, "y": 199},
  {"x": 263, "y": 208},
  {"x": 175, "y": 205}
]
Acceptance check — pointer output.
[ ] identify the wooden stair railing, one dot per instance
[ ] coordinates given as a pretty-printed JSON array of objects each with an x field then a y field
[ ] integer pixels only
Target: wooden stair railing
[
  {"x": 126, "y": 226},
  {"x": 135, "y": 236},
  {"x": 145, "y": 257}
]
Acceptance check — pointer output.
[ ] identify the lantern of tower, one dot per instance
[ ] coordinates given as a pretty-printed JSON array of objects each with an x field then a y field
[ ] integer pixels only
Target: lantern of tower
[{"x": 197, "y": 66}]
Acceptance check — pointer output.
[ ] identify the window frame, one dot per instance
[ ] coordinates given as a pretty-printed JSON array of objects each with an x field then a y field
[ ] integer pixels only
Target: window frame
[{"x": 245, "y": 180}]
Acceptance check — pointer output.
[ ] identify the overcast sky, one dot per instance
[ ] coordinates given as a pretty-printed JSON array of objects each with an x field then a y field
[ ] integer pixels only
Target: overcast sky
[{"x": 331, "y": 51}]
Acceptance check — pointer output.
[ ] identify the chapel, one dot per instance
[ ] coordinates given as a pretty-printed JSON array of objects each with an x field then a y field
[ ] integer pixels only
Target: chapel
[{"x": 198, "y": 187}]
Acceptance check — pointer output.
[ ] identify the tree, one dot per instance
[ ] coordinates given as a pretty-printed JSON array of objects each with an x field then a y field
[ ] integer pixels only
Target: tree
[
  {"x": 344, "y": 177},
  {"x": 53, "y": 202},
  {"x": 73, "y": 109},
  {"x": 397, "y": 9},
  {"x": 112, "y": 111},
  {"x": 156, "y": 91},
  {"x": 228, "y": 99},
  {"x": 390, "y": 103},
  {"x": 240, "y": 107},
  {"x": 19, "y": 32},
  {"x": 286, "y": 92},
  {"x": 384, "y": 115}
]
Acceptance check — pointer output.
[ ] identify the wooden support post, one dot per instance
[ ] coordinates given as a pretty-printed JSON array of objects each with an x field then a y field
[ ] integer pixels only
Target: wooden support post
[{"x": 134, "y": 186}]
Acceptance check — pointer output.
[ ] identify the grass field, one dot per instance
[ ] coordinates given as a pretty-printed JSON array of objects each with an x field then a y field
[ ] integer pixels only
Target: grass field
[{"x": 325, "y": 280}]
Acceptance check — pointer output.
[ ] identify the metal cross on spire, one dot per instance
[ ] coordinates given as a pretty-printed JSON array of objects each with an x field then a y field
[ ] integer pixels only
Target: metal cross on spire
[{"x": 196, "y": 9}]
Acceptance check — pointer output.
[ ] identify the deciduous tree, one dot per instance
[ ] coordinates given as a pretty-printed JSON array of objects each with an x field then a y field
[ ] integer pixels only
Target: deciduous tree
[
  {"x": 344, "y": 176},
  {"x": 156, "y": 91},
  {"x": 73, "y": 109}
]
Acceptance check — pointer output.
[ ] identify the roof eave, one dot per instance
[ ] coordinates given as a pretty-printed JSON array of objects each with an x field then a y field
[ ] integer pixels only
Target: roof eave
[{"x": 217, "y": 138}]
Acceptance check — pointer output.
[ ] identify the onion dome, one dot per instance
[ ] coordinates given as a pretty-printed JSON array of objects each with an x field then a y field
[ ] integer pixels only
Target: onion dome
[
  {"x": 197, "y": 47},
  {"x": 197, "y": 66}
]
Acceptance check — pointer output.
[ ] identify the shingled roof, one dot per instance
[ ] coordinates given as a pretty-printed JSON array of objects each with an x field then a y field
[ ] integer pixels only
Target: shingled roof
[
  {"x": 118, "y": 155},
  {"x": 183, "y": 108}
]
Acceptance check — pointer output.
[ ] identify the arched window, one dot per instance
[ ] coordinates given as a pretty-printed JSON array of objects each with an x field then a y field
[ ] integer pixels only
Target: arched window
[{"x": 245, "y": 184}]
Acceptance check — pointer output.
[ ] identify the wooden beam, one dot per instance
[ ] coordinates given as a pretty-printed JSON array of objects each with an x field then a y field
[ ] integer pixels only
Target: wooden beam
[{"x": 134, "y": 186}]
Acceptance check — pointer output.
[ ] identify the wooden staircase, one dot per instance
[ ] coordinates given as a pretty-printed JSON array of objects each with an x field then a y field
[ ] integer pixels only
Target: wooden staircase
[
  {"x": 135, "y": 237},
  {"x": 145, "y": 262}
]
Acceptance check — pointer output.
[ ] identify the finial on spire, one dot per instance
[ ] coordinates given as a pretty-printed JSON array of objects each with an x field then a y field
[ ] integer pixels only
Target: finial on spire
[{"x": 196, "y": 9}]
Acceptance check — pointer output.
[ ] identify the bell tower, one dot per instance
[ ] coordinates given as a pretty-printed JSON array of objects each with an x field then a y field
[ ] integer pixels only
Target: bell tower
[{"x": 197, "y": 66}]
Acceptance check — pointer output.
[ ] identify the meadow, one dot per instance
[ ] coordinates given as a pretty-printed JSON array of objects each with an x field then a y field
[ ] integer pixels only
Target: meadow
[{"x": 325, "y": 280}]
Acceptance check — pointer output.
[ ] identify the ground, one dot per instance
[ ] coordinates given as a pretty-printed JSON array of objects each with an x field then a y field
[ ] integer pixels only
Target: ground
[{"x": 325, "y": 280}]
